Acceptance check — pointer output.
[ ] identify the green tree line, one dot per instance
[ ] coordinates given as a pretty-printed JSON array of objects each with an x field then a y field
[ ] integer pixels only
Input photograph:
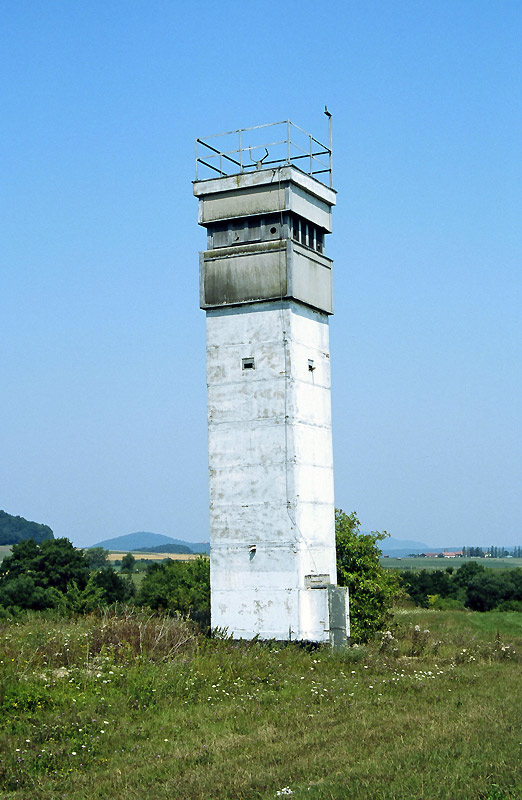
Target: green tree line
[
  {"x": 52, "y": 574},
  {"x": 472, "y": 586}
]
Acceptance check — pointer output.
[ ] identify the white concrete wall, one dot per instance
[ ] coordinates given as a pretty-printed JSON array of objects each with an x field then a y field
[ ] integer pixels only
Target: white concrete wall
[{"x": 271, "y": 470}]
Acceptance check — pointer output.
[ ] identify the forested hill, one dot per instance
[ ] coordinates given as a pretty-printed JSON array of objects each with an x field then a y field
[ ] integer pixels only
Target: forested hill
[
  {"x": 166, "y": 548},
  {"x": 16, "y": 529},
  {"x": 151, "y": 542}
]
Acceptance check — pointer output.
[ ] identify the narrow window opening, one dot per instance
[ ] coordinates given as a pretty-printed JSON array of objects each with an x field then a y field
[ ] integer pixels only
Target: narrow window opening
[
  {"x": 254, "y": 229},
  {"x": 311, "y": 364},
  {"x": 248, "y": 363}
]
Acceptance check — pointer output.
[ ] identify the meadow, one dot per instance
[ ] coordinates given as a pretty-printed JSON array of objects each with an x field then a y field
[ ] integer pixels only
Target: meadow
[{"x": 124, "y": 704}]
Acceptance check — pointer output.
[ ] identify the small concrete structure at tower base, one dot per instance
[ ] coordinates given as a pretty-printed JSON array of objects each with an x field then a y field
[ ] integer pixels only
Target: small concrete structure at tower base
[{"x": 266, "y": 288}]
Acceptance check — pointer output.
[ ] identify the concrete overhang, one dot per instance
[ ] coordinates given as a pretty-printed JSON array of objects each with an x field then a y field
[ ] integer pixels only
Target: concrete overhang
[{"x": 266, "y": 191}]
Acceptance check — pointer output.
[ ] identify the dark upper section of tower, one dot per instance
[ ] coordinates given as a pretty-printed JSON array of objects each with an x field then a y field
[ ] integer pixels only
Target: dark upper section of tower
[{"x": 266, "y": 225}]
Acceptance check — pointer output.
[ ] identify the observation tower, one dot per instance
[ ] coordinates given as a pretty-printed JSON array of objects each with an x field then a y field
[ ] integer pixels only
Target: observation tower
[{"x": 265, "y": 197}]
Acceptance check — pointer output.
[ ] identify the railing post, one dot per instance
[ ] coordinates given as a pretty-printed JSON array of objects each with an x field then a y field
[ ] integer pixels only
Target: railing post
[
  {"x": 330, "y": 146},
  {"x": 311, "y": 156},
  {"x": 288, "y": 140},
  {"x": 240, "y": 150}
]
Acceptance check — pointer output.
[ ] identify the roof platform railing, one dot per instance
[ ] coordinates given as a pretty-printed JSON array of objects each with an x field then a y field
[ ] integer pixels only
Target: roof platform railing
[{"x": 248, "y": 149}]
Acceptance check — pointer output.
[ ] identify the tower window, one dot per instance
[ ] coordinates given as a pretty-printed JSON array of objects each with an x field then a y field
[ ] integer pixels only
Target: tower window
[
  {"x": 248, "y": 363},
  {"x": 306, "y": 233},
  {"x": 220, "y": 235}
]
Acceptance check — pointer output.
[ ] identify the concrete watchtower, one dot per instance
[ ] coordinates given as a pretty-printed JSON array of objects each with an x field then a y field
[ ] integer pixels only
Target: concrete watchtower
[{"x": 266, "y": 287}]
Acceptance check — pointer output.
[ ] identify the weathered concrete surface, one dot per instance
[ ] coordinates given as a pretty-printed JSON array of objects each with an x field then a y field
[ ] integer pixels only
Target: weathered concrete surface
[
  {"x": 265, "y": 271},
  {"x": 271, "y": 470},
  {"x": 263, "y": 192},
  {"x": 267, "y": 289}
]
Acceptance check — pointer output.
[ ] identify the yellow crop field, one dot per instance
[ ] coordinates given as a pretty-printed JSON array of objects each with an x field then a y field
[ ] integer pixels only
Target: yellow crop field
[{"x": 117, "y": 556}]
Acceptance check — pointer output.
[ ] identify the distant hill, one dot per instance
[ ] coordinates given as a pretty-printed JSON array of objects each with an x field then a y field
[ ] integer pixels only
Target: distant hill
[
  {"x": 16, "y": 529},
  {"x": 165, "y": 548},
  {"x": 402, "y": 547},
  {"x": 142, "y": 540},
  {"x": 398, "y": 548}
]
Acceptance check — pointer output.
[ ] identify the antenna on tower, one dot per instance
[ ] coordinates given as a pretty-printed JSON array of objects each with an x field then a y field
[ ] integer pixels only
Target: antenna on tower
[
  {"x": 328, "y": 114},
  {"x": 258, "y": 162}
]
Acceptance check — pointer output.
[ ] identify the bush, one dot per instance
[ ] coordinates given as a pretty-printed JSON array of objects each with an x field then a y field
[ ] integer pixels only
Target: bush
[
  {"x": 372, "y": 588},
  {"x": 127, "y": 563},
  {"x": 36, "y": 576},
  {"x": 54, "y": 574},
  {"x": 179, "y": 586}
]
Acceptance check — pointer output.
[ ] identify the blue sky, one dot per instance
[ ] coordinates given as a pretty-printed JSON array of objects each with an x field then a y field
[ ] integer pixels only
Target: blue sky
[{"x": 102, "y": 408}]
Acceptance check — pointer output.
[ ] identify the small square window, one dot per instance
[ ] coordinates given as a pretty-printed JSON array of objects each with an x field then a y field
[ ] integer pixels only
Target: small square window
[{"x": 248, "y": 363}]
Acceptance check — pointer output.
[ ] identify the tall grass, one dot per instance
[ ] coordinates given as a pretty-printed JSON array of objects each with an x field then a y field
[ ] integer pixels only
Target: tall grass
[{"x": 127, "y": 704}]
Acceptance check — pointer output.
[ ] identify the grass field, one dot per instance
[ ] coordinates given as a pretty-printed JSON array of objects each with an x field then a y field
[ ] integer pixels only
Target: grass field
[
  {"x": 126, "y": 706},
  {"x": 442, "y": 563}
]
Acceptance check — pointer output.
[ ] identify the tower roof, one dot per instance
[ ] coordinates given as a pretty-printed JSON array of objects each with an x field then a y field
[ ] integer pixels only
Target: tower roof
[{"x": 275, "y": 144}]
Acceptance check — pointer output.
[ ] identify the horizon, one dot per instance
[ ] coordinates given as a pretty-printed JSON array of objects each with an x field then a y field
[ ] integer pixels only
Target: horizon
[{"x": 406, "y": 542}]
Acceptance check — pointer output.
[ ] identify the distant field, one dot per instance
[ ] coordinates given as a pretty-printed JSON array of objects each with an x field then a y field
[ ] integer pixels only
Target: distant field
[
  {"x": 442, "y": 563},
  {"x": 117, "y": 555}
]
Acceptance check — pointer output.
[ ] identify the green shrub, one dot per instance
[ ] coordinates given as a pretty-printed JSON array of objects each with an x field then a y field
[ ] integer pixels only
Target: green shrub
[
  {"x": 372, "y": 588},
  {"x": 179, "y": 586}
]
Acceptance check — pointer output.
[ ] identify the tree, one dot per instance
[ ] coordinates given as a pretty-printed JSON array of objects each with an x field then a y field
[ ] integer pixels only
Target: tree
[
  {"x": 115, "y": 588},
  {"x": 372, "y": 588},
  {"x": 179, "y": 586},
  {"x": 466, "y": 572},
  {"x": 96, "y": 557},
  {"x": 54, "y": 574},
  {"x": 423, "y": 584},
  {"x": 128, "y": 563},
  {"x": 53, "y": 563},
  {"x": 37, "y": 576}
]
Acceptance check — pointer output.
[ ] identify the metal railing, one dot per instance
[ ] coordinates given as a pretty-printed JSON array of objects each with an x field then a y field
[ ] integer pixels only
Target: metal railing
[{"x": 246, "y": 149}]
